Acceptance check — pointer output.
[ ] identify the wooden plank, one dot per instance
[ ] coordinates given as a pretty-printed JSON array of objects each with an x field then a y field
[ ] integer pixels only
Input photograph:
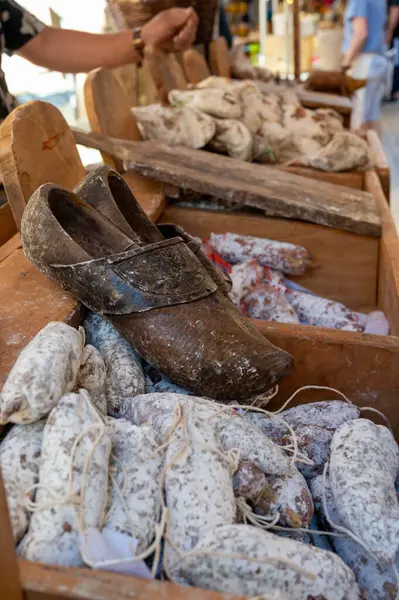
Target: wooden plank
[
  {"x": 10, "y": 586},
  {"x": 388, "y": 269},
  {"x": 381, "y": 161},
  {"x": 28, "y": 302},
  {"x": 8, "y": 226},
  {"x": 36, "y": 146},
  {"x": 353, "y": 179},
  {"x": 48, "y": 582},
  {"x": 196, "y": 66},
  {"x": 108, "y": 110},
  {"x": 9, "y": 247},
  {"x": 155, "y": 75},
  {"x": 167, "y": 71},
  {"x": 220, "y": 58},
  {"x": 149, "y": 194},
  {"x": 315, "y": 100},
  {"x": 127, "y": 77},
  {"x": 172, "y": 71},
  {"x": 352, "y": 281},
  {"x": 265, "y": 188}
]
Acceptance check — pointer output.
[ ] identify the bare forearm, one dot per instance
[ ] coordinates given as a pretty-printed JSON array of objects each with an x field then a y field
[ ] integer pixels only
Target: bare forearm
[
  {"x": 77, "y": 51},
  {"x": 356, "y": 46}
]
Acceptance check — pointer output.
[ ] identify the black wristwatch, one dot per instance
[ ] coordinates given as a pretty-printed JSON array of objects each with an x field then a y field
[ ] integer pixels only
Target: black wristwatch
[{"x": 138, "y": 43}]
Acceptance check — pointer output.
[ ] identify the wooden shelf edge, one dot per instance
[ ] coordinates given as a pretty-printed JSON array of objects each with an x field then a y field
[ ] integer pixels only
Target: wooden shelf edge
[{"x": 42, "y": 581}]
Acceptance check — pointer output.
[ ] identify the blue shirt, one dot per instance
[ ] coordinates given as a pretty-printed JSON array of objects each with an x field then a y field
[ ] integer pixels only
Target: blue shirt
[{"x": 375, "y": 11}]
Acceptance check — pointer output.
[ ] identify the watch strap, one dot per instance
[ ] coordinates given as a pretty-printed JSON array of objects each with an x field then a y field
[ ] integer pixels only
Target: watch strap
[{"x": 138, "y": 43}]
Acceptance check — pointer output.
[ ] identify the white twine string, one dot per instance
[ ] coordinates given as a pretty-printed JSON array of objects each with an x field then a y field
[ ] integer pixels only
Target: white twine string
[
  {"x": 74, "y": 499},
  {"x": 311, "y": 387},
  {"x": 78, "y": 500}
]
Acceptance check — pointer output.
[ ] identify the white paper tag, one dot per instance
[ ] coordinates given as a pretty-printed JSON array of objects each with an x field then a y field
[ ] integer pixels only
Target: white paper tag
[
  {"x": 102, "y": 547},
  {"x": 377, "y": 323}
]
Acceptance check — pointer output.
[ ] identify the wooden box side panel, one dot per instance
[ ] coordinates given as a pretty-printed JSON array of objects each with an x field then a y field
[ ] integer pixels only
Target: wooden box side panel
[
  {"x": 381, "y": 162},
  {"x": 362, "y": 366},
  {"x": 353, "y": 179},
  {"x": 343, "y": 265},
  {"x": 28, "y": 302},
  {"x": 388, "y": 267},
  {"x": 46, "y": 582},
  {"x": 8, "y": 226}
]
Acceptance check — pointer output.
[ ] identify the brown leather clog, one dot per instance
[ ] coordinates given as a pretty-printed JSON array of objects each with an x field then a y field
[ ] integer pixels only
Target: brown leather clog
[
  {"x": 106, "y": 190},
  {"x": 156, "y": 292}
]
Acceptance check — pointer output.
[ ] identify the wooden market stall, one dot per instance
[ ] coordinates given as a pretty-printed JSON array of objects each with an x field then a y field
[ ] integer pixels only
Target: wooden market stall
[
  {"x": 368, "y": 277},
  {"x": 37, "y": 146},
  {"x": 109, "y": 98}
]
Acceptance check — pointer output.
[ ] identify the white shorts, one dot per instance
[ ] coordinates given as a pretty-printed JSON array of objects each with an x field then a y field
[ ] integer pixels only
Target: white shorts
[{"x": 367, "y": 100}]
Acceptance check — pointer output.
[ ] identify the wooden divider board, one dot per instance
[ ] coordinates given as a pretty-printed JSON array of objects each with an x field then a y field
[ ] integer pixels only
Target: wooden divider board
[
  {"x": 388, "y": 268},
  {"x": 381, "y": 162},
  {"x": 108, "y": 111},
  {"x": 102, "y": 91},
  {"x": 196, "y": 66},
  {"x": 363, "y": 366},
  {"x": 8, "y": 226},
  {"x": 10, "y": 587},
  {"x": 266, "y": 188},
  {"x": 37, "y": 147},
  {"x": 315, "y": 100},
  {"x": 353, "y": 179},
  {"x": 9, "y": 247},
  {"x": 220, "y": 58},
  {"x": 352, "y": 281}
]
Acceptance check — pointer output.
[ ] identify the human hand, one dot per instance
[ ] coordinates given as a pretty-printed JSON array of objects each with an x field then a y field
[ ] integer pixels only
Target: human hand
[{"x": 173, "y": 29}]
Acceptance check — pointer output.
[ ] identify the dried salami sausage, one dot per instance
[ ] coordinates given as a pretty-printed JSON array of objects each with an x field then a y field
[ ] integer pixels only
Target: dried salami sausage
[
  {"x": 124, "y": 372},
  {"x": 29, "y": 393},
  {"x": 281, "y": 256},
  {"x": 64, "y": 507},
  {"x": 91, "y": 377},
  {"x": 243, "y": 560},
  {"x": 20, "y": 453},
  {"x": 137, "y": 469},
  {"x": 364, "y": 465}
]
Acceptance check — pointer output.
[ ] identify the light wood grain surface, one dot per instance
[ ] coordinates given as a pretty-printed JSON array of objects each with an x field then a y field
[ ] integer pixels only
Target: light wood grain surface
[{"x": 266, "y": 188}]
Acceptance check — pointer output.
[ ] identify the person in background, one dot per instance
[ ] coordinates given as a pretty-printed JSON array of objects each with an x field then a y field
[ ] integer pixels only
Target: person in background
[
  {"x": 363, "y": 58},
  {"x": 392, "y": 41},
  {"x": 224, "y": 25},
  {"x": 70, "y": 51}
]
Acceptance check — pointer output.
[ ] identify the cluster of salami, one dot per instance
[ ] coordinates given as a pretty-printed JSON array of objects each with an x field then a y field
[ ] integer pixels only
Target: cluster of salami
[
  {"x": 295, "y": 505},
  {"x": 250, "y": 121},
  {"x": 258, "y": 269}
]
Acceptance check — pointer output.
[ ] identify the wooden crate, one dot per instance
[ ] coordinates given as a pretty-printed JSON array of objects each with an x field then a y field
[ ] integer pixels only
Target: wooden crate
[
  {"x": 221, "y": 63},
  {"x": 109, "y": 98},
  {"x": 366, "y": 277},
  {"x": 366, "y": 367}
]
